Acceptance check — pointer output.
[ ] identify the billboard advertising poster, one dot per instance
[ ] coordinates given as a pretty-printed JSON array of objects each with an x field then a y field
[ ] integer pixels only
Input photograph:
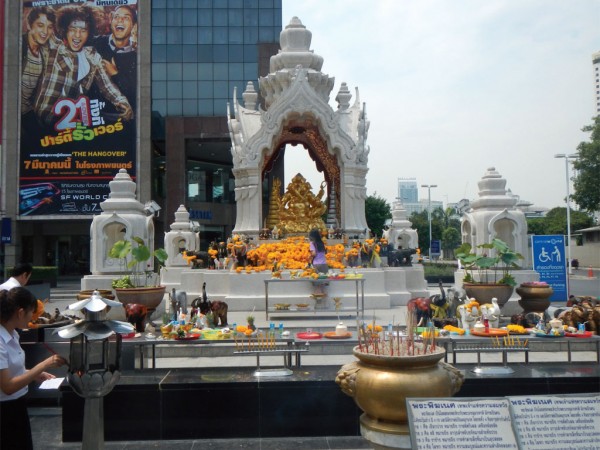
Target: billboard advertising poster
[
  {"x": 78, "y": 103},
  {"x": 550, "y": 262}
]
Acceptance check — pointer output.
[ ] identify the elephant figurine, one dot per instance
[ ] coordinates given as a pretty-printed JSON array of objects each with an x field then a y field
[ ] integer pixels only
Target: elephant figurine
[{"x": 136, "y": 315}]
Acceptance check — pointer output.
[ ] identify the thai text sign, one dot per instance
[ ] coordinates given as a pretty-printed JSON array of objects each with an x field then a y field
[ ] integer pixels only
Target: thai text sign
[
  {"x": 525, "y": 422},
  {"x": 78, "y": 90},
  {"x": 550, "y": 262}
]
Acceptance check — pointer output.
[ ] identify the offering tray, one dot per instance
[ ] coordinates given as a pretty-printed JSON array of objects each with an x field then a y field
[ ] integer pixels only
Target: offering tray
[
  {"x": 189, "y": 337},
  {"x": 334, "y": 335},
  {"x": 585, "y": 334},
  {"x": 544, "y": 335},
  {"x": 309, "y": 335},
  {"x": 492, "y": 332}
]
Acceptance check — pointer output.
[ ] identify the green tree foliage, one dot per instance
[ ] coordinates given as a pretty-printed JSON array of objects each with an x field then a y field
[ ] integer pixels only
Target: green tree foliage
[
  {"x": 441, "y": 222},
  {"x": 555, "y": 222},
  {"x": 450, "y": 241},
  {"x": 377, "y": 211},
  {"x": 587, "y": 167},
  {"x": 537, "y": 225},
  {"x": 420, "y": 223}
]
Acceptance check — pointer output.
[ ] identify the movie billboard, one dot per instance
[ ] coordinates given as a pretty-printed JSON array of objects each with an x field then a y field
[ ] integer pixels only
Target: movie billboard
[{"x": 78, "y": 103}]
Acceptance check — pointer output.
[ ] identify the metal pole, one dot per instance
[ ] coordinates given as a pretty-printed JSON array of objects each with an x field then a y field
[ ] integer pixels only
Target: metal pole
[
  {"x": 568, "y": 201},
  {"x": 429, "y": 186},
  {"x": 429, "y": 218},
  {"x": 568, "y": 219}
]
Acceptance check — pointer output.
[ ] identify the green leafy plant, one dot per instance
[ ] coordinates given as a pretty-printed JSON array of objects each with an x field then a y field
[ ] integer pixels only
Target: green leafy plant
[
  {"x": 503, "y": 261},
  {"x": 134, "y": 255}
]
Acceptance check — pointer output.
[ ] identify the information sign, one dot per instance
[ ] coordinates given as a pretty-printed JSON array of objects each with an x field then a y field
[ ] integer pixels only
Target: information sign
[
  {"x": 461, "y": 424},
  {"x": 525, "y": 422},
  {"x": 550, "y": 261},
  {"x": 436, "y": 246}
]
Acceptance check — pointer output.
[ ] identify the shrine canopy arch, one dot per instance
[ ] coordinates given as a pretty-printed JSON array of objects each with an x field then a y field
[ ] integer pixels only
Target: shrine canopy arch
[
  {"x": 296, "y": 98},
  {"x": 307, "y": 136}
]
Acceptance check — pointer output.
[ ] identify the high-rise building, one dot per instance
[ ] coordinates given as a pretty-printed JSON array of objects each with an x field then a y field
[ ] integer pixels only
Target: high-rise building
[
  {"x": 408, "y": 191},
  {"x": 596, "y": 68},
  {"x": 162, "y": 115}
]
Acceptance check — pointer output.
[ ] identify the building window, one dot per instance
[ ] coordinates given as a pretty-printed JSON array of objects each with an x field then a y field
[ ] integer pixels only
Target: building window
[{"x": 208, "y": 182}]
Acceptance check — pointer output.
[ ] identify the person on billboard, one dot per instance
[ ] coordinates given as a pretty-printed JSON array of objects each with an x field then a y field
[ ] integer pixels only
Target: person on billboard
[
  {"x": 119, "y": 51},
  {"x": 40, "y": 32},
  {"x": 72, "y": 69}
]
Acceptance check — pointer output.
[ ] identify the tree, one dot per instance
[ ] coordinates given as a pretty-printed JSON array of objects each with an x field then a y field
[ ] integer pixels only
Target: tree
[
  {"x": 450, "y": 241},
  {"x": 441, "y": 222},
  {"x": 587, "y": 167},
  {"x": 556, "y": 221},
  {"x": 537, "y": 226},
  {"x": 377, "y": 211},
  {"x": 421, "y": 224}
]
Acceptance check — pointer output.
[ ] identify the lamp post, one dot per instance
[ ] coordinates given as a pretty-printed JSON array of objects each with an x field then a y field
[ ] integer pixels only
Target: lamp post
[
  {"x": 429, "y": 186},
  {"x": 567, "y": 157}
]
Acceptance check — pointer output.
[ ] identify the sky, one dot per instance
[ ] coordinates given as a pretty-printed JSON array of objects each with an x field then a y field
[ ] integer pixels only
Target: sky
[{"x": 453, "y": 87}]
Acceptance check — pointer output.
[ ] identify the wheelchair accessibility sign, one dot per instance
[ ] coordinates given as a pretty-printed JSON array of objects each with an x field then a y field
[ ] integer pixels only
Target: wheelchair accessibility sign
[{"x": 549, "y": 261}]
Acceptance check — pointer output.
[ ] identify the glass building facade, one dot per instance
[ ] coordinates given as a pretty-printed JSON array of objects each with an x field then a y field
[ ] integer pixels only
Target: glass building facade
[{"x": 202, "y": 49}]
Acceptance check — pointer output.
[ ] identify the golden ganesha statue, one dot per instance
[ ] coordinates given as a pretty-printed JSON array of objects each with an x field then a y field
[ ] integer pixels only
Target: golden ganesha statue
[{"x": 299, "y": 209}]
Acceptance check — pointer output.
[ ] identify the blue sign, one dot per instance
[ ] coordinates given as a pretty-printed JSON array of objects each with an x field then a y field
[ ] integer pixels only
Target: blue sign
[
  {"x": 436, "y": 246},
  {"x": 550, "y": 262},
  {"x": 6, "y": 230},
  {"x": 197, "y": 214}
]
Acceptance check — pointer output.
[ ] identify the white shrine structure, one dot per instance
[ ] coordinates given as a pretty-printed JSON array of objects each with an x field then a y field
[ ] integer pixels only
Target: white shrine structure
[
  {"x": 122, "y": 218},
  {"x": 401, "y": 234},
  {"x": 494, "y": 215},
  {"x": 296, "y": 111}
]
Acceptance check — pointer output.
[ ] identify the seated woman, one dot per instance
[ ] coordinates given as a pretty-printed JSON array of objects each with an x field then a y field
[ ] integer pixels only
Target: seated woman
[{"x": 317, "y": 251}]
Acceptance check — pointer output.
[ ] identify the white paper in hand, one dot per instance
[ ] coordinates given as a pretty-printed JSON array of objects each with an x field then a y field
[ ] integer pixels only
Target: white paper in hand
[{"x": 52, "y": 383}]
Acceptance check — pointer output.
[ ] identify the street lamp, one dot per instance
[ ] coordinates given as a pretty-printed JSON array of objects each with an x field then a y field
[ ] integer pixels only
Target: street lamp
[
  {"x": 429, "y": 186},
  {"x": 567, "y": 157}
]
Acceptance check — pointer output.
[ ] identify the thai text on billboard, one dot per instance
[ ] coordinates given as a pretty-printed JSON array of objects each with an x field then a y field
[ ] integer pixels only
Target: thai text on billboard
[{"x": 78, "y": 103}]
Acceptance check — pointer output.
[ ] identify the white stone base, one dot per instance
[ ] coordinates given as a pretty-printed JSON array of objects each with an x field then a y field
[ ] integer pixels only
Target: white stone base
[
  {"x": 384, "y": 441},
  {"x": 383, "y": 288}
]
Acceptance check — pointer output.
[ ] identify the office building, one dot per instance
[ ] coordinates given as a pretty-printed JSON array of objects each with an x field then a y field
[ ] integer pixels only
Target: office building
[{"x": 408, "y": 191}]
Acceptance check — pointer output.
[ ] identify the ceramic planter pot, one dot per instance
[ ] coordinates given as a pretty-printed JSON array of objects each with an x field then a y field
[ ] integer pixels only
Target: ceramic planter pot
[
  {"x": 534, "y": 298},
  {"x": 380, "y": 385},
  {"x": 484, "y": 292},
  {"x": 150, "y": 297}
]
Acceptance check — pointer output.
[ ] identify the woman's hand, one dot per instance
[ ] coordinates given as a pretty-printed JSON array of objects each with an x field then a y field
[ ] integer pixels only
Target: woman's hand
[
  {"x": 45, "y": 376},
  {"x": 54, "y": 361}
]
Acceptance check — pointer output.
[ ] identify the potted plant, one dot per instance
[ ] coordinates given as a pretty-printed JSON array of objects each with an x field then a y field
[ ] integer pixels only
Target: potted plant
[
  {"x": 488, "y": 274},
  {"x": 141, "y": 286}
]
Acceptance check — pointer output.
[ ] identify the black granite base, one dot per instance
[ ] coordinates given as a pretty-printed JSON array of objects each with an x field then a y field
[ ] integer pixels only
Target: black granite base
[
  {"x": 214, "y": 403},
  {"x": 217, "y": 403}
]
